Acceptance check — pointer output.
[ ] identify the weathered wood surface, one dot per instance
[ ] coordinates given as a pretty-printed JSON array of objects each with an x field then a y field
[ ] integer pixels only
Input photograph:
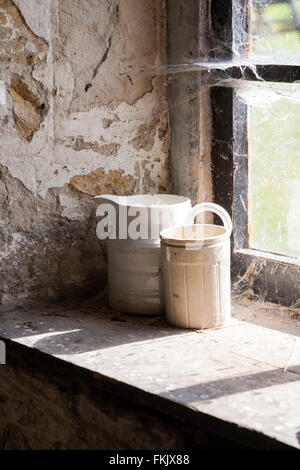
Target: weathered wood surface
[{"x": 235, "y": 375}]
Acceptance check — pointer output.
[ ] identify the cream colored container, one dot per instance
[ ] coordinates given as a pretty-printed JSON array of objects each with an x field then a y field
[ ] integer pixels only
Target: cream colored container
[
  {"x": 134, "y": 265},
  {"x": 196, "y": 272},
  {"x": 134, "y": 276}
]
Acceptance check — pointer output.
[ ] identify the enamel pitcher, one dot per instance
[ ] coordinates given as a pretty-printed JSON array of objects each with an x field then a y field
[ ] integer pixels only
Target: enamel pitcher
[{"x": 132, "y": 225}]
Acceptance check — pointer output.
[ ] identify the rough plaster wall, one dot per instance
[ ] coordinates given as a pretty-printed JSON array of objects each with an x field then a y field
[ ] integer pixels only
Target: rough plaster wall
[{"x": 74, "y": 124}]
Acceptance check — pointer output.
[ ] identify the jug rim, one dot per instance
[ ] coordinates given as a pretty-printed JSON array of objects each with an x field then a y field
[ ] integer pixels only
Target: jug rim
[
  {"x": 125, "y": 200},
  {"x": 167, "y": 237}
]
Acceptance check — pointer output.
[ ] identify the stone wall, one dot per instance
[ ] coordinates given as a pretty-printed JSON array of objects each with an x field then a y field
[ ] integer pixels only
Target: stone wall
[
  {"x": 46, "y": 403},
  {"x": 77, "y": 118}
]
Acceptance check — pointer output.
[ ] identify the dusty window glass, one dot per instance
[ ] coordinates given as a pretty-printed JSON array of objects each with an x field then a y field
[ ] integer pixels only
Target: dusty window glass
[
  {"x": 274, "y": 168},
  {"x": 275, "y": 31}
]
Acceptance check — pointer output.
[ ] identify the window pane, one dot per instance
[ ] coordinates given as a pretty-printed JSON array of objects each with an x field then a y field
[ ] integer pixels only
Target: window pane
[
  {"x": 275, "y": 31},
  {"x": 274, "y": 169}
]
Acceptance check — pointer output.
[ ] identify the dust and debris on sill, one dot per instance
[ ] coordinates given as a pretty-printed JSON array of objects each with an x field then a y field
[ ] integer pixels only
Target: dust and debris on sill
[{"x": 236, "y": 374}]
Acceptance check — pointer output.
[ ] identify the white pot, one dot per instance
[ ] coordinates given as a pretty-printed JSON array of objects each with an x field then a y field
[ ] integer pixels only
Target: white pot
[{"x": 134, "y": 266}]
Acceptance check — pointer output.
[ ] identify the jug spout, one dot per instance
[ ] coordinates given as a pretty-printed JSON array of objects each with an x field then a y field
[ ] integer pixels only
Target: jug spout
[{"x": 110, "y": 198}]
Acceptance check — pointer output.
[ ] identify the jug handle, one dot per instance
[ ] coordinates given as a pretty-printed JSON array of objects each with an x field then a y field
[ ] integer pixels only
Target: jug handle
[{"x": 216, "y": 209}]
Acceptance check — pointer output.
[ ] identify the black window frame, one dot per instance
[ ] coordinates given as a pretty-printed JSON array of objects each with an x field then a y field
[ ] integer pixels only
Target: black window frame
[{"x": 265, "y": 275}]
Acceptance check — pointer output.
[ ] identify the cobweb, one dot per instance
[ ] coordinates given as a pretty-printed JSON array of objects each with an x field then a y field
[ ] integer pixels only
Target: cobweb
[
  {"x": 272, "y": 37},
  {"x": 273, "y": 111}
]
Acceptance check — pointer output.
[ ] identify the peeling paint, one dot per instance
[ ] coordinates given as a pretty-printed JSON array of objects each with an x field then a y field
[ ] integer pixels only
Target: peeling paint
[
  {"x": 119, "y": 33},
  {"x": 105, "y": 149},
  {"x": 99, "y": 182},
  {"x": 18, "y": 42},
  {"x": 145, "y": 135},
  {"x": 27, "y": 108},
  {"x": 34, "y": 13},
  {"x": 74, "y": 125},
  {"x": 46, "y": 249}
]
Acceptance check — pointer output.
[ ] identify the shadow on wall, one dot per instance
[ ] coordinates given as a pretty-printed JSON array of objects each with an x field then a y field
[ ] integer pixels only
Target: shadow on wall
[{"x": 45, "y": 253}]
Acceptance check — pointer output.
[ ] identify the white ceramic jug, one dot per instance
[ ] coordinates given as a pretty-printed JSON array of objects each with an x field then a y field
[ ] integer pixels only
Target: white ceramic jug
[{"x": 134, "y": 262}]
